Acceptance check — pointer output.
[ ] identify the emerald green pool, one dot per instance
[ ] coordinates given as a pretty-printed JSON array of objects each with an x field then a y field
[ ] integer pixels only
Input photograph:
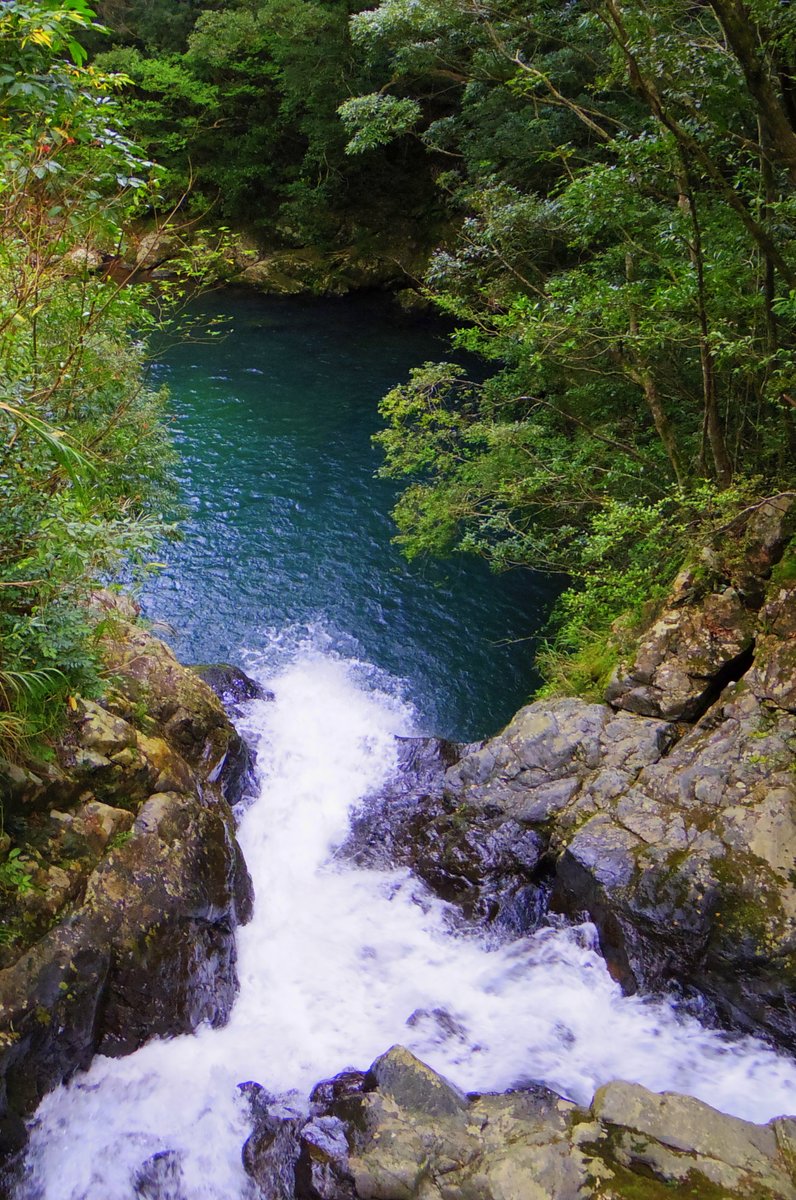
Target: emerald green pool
[{"x": 289, "y": 533}]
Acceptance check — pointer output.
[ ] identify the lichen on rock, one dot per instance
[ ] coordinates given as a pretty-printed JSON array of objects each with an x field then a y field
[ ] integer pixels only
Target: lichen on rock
[
  {"x": 400, "y": 1131},
  {"x": 127, "y": 930}
]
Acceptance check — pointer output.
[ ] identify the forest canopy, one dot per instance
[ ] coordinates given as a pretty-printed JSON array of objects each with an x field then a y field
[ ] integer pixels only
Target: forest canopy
[{"x": 614, "y": 185}]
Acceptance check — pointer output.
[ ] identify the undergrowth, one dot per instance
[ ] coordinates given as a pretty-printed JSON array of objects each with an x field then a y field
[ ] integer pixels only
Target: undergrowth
[{"x": 626, "y": 564}]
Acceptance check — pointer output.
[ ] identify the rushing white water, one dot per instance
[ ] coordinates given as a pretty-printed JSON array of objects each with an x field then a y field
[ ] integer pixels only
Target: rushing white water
[{"x": 339, "y": 964}]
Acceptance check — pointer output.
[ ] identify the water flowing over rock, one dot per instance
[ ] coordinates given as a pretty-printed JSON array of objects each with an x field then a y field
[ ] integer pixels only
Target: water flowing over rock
[
  {"x": 232, "y": 686},
  {"x": 677, "y": 840},
  {"x": 405, "y": 1133},
  {"x": 140, "y": 882}
]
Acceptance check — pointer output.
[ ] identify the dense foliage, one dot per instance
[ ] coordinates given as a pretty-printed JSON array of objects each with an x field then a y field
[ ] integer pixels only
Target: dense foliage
[
  {"x": 241, "y": 111},
  {"x": 611, "y": 187},
  {"x": 627, "y": 259},
  {"x": 83, "y": 457},
  {"x": 620, "y": 175}
]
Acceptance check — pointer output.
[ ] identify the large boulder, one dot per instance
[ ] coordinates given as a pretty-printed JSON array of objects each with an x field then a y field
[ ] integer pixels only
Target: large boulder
[
  {"x": 405, "y": 1133},
  {"x": 151, "y": 682},
  {"x": 689, "y": 873},
  {"x": 131, "y": 881},
  {"x": 705, "y": 636},
  {"x": 677, "y": 840},
  {"x": 149, "y": 951},
  {"x": 685, "y": 659}
]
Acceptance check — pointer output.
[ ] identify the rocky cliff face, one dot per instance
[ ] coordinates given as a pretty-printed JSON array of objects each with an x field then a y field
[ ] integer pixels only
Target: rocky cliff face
[
  {"x": 137, "y": 880},
  {"x": 666, "y": 815}
]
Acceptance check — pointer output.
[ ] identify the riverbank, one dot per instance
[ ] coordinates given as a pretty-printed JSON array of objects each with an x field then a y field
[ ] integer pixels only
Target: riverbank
[
  {"x": 208, "y": 256},
  {"x": 454, "y": 911},
  {"x": 130, "y": 881}
]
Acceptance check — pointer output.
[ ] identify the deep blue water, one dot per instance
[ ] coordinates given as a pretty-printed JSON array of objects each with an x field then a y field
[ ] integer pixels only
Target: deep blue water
[{"x": 289, "y": 533}]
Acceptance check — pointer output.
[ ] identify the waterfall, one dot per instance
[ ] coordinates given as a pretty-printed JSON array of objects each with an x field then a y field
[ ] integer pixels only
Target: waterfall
[{"x": 338, "y": 964}]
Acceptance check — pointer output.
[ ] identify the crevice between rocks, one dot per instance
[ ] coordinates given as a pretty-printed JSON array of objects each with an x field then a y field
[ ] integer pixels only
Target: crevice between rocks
[{"x": 731, "y": 672}]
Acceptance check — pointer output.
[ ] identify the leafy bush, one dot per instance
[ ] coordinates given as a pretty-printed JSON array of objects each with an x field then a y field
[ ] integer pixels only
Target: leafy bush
[{"x": 84, "y": 461}]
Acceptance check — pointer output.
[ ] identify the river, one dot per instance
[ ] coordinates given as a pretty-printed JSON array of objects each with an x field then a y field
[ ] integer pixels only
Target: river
[{"x": 338, "y": 964}]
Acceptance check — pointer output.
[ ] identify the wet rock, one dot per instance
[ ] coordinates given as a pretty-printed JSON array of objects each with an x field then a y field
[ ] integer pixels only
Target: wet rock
[
  {"x": 411, "y": 1084},
  {"x": 321, "y": 1171},
  {"x": 682, "y": 852},
  {"x": 232, "y": 686},
  {"x": 702, "y": 891},
  {"x": 678, "y": 842},
  {"x": 346, "y": 1083},
  {"x": 677, "y": 1137},
  {"x": 13, "y": 1136},
  {"x": 189, "y": 715},
  {"x": 139, "y": 882},
  {"x": 397, "y": 1142},
  {"x": 476, "y": 859},
  {"x": 257, "y": 1098},
  {"x": 150, "y": 951},
  {"x": 270, "y": 1155},
  {"x": 387, "y": 830},
  {"x": 161, "y": 1178}
]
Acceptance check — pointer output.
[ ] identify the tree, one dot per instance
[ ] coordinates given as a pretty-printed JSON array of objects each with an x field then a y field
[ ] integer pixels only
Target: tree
[
  {"x": 631, "y": 276},
  {"x": 83, "y": 460}
]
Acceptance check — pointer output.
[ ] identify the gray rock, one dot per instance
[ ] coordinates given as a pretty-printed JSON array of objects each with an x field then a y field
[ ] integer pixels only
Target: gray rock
[
  {"x": 160, "y": 1178},
  {"x": 270, "y": 1155},
  {"x": 672, "y": 1136},
  {"x": 321, "y": 1171},
  {"x": 411, "y": 1084},
  {"x": 773, "y": 675},
  {"x": 396, "y": 1142},
  {"x": 686, "y": 657},
  {"x": 139, "y": 887},
  {"x": 232, "y": 685},
  {"x": 679, "y": 843}
]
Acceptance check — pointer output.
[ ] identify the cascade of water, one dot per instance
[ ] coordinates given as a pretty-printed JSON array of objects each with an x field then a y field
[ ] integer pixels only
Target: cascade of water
[{"x": 339, "y": 964}]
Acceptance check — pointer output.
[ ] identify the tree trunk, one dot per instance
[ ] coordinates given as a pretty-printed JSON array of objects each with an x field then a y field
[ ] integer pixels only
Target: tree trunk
[
  {"x": 640, "y": 372},
  {"x": 745, "y": 39},
  {"x": 691, "y": 147},
  {"x": 712, "y": 420}
]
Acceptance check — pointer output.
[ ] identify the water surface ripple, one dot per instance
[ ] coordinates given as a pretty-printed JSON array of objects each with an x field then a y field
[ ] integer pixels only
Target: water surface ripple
[{"x": 288, "y": 523}]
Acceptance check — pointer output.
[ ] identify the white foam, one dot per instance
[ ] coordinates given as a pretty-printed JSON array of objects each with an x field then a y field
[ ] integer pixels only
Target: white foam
[{"x": 339, "y": 964}]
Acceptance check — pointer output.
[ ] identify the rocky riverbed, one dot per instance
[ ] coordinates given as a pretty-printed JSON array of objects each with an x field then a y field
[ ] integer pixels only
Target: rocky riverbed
[
  {"x": 399, "y": 1131},
  {"x": 666, "y": 816}
]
